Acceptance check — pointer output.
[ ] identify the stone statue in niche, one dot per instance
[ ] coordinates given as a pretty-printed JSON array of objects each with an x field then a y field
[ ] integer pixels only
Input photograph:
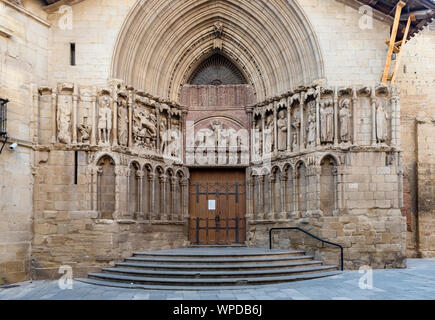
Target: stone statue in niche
[
  {"x": 381, "y": 123},
  {"x": 295, "y": 139},
  {"x": 84, "y": 130},
  {"x": 144, "y": 128},
  {"x": 327, "y": 122},
  {"x": 282, "y": 130},
  {"x": 64, "y": 108},
  {"x": 269, "y": 134},
  {"x": 104, "y": 120},
  {"x": 174, "y": 145},
  {"x": 233, "y": 138},
  {"x": 219, "y": 134},
  {"x": 311, "y": 128},
  {"x": 296, "y": 125},
  {"x": 257, "y": 137},
  {"x": 344, "y": 116},
  {"x": 122, "y": 121},
  {"x": 163, "y": 127}
]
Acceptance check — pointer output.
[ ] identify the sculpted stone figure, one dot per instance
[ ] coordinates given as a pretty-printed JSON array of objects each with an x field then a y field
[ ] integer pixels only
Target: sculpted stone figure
[
  {"x": 268, "y": 134},
  {"x": 295, "y": 139},
  {"x": 144, "y": 128},
  {"x": 104, "y": 120},
  {"x": 296, "y": 125},
  {"x": 64, "y": 119},
  {"x": 344, "y": 116},
  {"x": 174, "y": 145},
  {"x": 327, "y": 122},
  {"x": 282, "y": 130},
  {"x": 163, "y": 134},
  {"x": 381, "y": 123},
  {"x": 122, "y": 122},
  {"x": 257, "y": 137},
  {"x": 311, "y": 128}
]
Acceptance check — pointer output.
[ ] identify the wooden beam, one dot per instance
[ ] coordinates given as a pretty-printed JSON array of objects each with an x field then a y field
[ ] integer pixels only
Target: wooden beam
[
  {"x": 405, "y": 36},
  {"x": 399, "y": 7}
]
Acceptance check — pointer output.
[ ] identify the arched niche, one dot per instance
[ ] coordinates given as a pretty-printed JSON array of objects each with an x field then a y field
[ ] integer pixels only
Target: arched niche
[
  {"x": 106, "y": 186},
  {"x": 328, "y": 185}
]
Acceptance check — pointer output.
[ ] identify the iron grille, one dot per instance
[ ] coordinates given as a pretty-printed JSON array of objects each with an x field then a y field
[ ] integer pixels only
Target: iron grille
[{"x": 3, "y": 116}]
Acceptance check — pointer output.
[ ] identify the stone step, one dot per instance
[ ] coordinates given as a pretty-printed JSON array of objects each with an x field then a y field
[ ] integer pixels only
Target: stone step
[
  {"x": 200, "y": 274},
  {"x": 226, "y": 254},
  {"x": 207, "y": 282},
  {"x": 114, "y": 284},
  {"x": 216, "y": 267},
  {"x": 226, "y": 260}
]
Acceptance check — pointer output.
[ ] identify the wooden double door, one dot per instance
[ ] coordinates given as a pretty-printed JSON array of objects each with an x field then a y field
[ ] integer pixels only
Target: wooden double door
[{"x": 217, "y": 206}]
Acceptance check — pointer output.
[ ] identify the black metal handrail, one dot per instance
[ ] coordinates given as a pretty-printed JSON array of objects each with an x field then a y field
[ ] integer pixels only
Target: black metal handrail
[{"x": 311, "y": 235}]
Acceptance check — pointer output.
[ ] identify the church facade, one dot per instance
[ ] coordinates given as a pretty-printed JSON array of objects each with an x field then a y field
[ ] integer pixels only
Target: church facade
[{"x": 162, "y": 124}]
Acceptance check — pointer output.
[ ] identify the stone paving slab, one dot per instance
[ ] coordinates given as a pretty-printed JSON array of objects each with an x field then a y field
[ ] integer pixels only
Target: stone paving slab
[{"x": 415, "y": 282}]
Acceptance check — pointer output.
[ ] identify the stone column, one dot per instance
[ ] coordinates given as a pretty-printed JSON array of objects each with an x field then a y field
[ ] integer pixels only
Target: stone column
[
  {"x": 270, "y": 213},
  {"x": 174, "y": 215},
  {"x": 151, "y": 185},
  {"x": 94, "y": 114},
  {"x": 35, "y": 114},
  {"x": 294, "y": 212},
  {"x": 53, "y": 117},
  {"x": 130, "y": 116},
  {"x": 263, "y": 131},
  {"x": 335, "y": 116},
  {"x": 185, "y": 197},
  {"x": 250, "y": 183},
  {"x": 249, "y": 112},
  {"x": 259, "y": 180},
  {"x": 115, "y": 115},
  {"x": 163, "y": 197},
  {"x": 289, "y": 124},
  {"x": 318, "y": 116},
  {"x": 127, "y": 195},
  {"x": 75, "y": 114},
  {"x": 302, "y": 128},
  {"x": 140, "y": 175},
  {"x": 354, "y": 117},
  {"x": 282, "y": 191},
  {"x": 373, "y": 102},
  {"x": 275, "y": 128},
  {"x": 398, "y": 126}
]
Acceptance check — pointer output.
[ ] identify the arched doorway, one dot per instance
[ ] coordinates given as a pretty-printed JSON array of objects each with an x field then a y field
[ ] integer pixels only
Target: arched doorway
[{"x": 215, "y": 96}]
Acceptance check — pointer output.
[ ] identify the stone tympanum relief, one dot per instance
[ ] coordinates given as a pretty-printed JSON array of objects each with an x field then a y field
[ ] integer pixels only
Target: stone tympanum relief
[{"x": 144, "y": 124}]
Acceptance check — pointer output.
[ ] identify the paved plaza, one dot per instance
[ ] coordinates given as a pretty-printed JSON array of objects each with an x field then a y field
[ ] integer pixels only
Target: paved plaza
[{"x": 415, "y": 282}]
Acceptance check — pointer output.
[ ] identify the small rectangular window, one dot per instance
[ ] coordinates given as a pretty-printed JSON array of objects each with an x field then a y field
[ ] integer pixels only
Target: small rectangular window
[
  {"x": 73, "y": 54},
  {"x": 3, "y": 114},
  {"x": 76, "y": 167}
]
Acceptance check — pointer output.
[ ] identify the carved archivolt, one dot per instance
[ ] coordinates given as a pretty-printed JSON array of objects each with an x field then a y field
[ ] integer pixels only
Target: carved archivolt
[{"x": 240, "y": 29}]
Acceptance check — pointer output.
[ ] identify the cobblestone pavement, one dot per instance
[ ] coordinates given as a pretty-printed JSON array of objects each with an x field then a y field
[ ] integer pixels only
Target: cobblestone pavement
[{"x": 415, "y": 282}]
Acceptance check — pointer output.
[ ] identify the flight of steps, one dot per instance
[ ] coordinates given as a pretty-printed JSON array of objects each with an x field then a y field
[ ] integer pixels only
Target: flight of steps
[{"x": 210, "y": 268}]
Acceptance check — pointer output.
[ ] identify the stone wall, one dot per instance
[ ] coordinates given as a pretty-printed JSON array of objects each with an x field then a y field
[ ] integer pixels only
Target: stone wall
[
  {"x": 70, "y": 230},
  {"x": 23, "y": 62},
  {"x": 416, "y": 80}
]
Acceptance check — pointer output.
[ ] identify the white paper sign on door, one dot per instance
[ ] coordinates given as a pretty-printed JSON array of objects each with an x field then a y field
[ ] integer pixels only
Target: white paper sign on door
[{"x": 211, "y": 204}]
